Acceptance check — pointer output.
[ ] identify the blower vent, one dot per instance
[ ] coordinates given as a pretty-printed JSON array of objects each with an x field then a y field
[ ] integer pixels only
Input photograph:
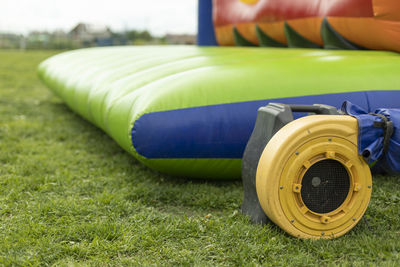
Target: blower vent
[{"x": 325, "y": 186}]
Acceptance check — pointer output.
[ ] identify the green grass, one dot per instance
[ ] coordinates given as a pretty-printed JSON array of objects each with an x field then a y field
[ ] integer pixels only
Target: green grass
[{"x": 70, "y": 196}]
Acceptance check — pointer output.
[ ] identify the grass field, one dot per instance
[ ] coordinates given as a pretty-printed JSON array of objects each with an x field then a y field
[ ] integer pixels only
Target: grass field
[{"x": 70, "y": 196}]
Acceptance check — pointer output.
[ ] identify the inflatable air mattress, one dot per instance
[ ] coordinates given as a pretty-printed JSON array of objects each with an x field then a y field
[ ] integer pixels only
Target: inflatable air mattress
[{"x": 189, "y": 111}]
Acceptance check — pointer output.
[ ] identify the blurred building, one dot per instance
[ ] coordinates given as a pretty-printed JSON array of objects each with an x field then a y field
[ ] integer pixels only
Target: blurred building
[
  {"x": 184, "y": 39},
  {"x": 91, "y": 35}
]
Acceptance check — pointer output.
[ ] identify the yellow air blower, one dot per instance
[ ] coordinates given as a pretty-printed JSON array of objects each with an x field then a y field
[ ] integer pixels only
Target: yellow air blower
[{"x": 305, "y": 175}]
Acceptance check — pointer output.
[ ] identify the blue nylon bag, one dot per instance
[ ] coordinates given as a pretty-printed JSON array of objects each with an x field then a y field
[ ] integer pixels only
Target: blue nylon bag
[{"x": 378, "y": 137}]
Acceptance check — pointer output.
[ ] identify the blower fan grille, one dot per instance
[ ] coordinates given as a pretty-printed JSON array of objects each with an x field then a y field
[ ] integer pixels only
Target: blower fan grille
[{"x": 325, "y": 186}]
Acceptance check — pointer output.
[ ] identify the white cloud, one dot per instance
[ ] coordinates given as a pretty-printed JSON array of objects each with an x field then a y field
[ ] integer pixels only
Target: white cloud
[{"x": 158, "y": 16}]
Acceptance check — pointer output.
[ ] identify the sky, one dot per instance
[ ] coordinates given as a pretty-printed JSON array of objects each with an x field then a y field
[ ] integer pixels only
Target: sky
[{"x": 157, "y": 16}]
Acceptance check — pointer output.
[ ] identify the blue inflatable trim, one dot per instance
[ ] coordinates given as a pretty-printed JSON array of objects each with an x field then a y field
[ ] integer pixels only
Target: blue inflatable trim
[
  {"x": 222, "y": 131},
  {"x": 205, "y": 31},
  {"x": 373, "y": 129}
]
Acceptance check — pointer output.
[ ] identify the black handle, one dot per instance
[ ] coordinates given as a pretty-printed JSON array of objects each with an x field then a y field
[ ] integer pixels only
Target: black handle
[{"x": 308, "y": 108}]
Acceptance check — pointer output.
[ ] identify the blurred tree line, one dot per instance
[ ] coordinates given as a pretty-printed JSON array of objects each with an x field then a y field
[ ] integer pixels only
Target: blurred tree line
[{"x": 83, "y": 35}]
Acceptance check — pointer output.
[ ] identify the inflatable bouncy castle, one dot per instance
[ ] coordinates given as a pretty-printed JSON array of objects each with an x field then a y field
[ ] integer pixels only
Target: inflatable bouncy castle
[
  {"x": 189, "y": 111},
  {"x": 222, "y": 112}
]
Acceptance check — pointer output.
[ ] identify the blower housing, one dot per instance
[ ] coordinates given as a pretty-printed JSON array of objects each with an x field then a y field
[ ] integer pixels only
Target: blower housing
[{"x": 305, "y": 175}]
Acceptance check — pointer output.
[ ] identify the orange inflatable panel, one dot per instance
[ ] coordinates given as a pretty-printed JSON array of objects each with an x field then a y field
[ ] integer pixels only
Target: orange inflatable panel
[{"x": 351, "y": 24}]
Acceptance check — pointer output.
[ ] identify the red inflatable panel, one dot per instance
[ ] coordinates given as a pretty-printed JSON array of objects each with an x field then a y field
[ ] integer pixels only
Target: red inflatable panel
[{"x": 236, "y": 11}]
